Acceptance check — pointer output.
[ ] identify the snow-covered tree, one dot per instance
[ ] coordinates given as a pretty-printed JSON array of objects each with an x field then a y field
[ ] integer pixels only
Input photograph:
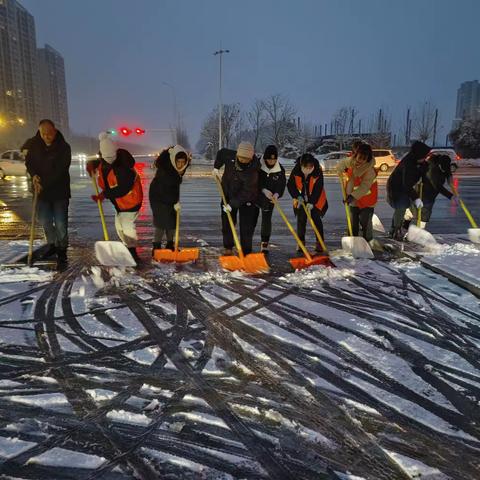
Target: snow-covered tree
[
  {"x": 466, "y": 138},
  {"x": 281, "y": 120},
  {"x": 256, "y": 118}
]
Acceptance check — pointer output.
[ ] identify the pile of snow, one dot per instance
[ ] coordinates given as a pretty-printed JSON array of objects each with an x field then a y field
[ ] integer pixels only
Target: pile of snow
[
  {"x": 310, "y": 277},
  {"x": 24, "y": 274}
]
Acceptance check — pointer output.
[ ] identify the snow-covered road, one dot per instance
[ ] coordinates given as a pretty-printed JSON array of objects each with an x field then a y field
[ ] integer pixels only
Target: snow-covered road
[{"x": 368, "y": 370}]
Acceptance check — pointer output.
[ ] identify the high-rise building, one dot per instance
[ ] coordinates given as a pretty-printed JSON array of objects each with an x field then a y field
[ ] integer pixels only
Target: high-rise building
[
  {"x": 19, "y": 100},
  {"x": 53, "y": 88},
  {"x": 468, "y": 102}
]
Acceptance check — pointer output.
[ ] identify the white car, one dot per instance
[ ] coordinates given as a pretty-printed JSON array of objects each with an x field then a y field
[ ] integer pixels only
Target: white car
[
  {"x": 384, "y": 159},
  {"x": 445, "y": 151},
  {"x": 331, "y": 159},
  {"x": 12, "y": 163}
]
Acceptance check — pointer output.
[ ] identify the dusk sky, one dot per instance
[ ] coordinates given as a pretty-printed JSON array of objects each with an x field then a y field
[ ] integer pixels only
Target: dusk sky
[{"x": 322, "y": 54}]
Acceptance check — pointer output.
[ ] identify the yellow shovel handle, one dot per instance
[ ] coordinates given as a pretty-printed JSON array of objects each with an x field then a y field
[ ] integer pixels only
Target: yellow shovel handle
[
  {"x": 314, "y": 227},
  {"x": 464, "y": 207},
  {"x": 177, "y": 229},
  {"x": 100, "y": 209},
  {"x": 347, "y": 208},
  {"x": 292, "y": 230},
  {"x": 419, "y": 210},
  {"x": 230, "y": 219}
]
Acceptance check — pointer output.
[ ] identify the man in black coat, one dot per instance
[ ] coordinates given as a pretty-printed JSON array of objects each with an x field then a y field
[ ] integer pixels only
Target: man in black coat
[
  {"x": 272, "y": 181},
  {"x": 401, "y": 185},
  {"x": 240, "y": 184},
  {"x": 437, "y": 172},
  {"x": 48, "y": 162}
]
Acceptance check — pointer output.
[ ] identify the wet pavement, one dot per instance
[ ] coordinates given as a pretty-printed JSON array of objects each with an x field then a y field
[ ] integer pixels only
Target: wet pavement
[{"x": 369, "y": 369}]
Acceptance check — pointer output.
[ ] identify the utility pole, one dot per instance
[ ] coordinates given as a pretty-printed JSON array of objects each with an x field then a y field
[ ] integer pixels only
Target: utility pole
[
  {"x": 407, "y": 136},
  {"x": 435, "y": 127},
  {"x": 220, "y": 105}
]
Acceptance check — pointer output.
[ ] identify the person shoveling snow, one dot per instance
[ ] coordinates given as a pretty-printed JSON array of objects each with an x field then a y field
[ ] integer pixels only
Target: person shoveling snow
[{"x": 121, "y": 184}]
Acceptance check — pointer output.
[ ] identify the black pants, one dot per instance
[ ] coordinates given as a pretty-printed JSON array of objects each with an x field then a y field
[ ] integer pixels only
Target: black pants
[
  {"x": 302, "y": 222},
  {"x": 362, "y": 217},
  {"x": 266, "y": 230},
  {"x": 248, "y": 221}
]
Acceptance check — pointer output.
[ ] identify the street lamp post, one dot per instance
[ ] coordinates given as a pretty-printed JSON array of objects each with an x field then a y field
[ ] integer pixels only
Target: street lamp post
[
  {"x": 175, "y": 111},
  {"x": 220, "y": 105}
]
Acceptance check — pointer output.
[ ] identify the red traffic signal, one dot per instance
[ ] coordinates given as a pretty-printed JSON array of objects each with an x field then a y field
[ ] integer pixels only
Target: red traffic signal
[
  {"x": 140, "y": 131},
  {"x": 125, "y": 131}
]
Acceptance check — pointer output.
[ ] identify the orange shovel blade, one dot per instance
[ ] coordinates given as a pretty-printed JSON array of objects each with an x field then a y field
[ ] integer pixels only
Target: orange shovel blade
[
  {"x": 180, "y": 256},
  {"x": 252, "y": 263},
  {"x": 302, "y": 262}
]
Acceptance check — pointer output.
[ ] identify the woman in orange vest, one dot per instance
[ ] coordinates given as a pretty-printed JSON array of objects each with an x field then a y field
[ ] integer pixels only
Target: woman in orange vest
[
  {"x": 305, "y": 184},
  {"x": 121, "y": 184},
  {"x": 361, "y": 188}
]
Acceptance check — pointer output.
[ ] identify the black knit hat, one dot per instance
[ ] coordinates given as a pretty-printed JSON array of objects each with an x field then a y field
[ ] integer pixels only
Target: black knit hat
[{"x": 270, "y": 151}]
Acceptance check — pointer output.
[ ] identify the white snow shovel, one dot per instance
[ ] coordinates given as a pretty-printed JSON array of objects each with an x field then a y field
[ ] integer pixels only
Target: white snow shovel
[
  {"x": 377, "y": 224},
  {"x": 474, "y": 232},
  {"x": 357, "y": 246},
  {"x": 109, "y": 253},
  {"x": 419, "y": 235}
]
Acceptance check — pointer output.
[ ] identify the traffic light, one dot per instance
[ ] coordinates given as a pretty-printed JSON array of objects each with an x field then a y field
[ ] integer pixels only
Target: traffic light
[
  {"x": 140, "y": 131},
  {"x": 125, "y": 131},
  {"x": 112, "y": 131}
]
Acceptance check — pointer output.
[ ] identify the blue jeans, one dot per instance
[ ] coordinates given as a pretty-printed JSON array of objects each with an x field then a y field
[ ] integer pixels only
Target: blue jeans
[{"x": 53, "y": 216}]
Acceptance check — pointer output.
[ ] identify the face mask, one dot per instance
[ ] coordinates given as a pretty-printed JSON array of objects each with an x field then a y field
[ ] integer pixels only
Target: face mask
[{"x": 307, "y": 171}]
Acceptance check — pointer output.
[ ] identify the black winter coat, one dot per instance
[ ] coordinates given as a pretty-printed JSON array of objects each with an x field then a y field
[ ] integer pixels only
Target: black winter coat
[
  {"x": 273, "y": 179},
  {"x": 436, "y": 174},
  {"x": 123, "y": 167},
  {"x": 310, "y": 197},
  {"x": 51, "y": 164},
  {"x": 401, "y": 183},
  {"x": 239, "y": 182},
  {"x": 165, "y": 186}
]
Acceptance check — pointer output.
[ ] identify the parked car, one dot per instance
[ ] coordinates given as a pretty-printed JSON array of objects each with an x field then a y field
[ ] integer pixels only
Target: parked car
[
  {"x": 331, "y": 159},
  {"x": 321, "y": 161},
  {"x": 384, "y": 159},
  {"x": 445, "y": 151},
  {"x": 12, "y": 163}
]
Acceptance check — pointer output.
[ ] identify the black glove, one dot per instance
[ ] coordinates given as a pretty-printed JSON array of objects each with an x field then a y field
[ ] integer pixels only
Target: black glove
[{"x": 349, "y": 200}]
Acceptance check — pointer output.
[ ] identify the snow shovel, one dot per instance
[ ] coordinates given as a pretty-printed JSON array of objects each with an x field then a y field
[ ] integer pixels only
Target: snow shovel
[
  {"x": 377, "y": 224},
  {"x": 357, "y": 246},
  {"x": 474, "y": 232},
  {"x": 185, "y": 255},
  {"x": 110, "y": 253},
  {"x": 251, "y": 263},
  {"x": 419, "y": 235},
  {"x": 308, "y": 261}
]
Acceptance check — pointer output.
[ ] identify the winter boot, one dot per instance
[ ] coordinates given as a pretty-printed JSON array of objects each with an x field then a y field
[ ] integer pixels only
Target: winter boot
[
  {"x": 62, "y": 261},
  {"x": 227, "y": 252},
  {"x": 318, "y": 248},
  {"x": 49, "y": 252},
  {"x": 156, "y": 246},
  {"x": 264, "y": 247},
  {"x": 170, "y": 245},
  {"x": 133, "y": 252}
]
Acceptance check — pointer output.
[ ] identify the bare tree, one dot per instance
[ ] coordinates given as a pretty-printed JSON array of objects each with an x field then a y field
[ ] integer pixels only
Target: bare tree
[
  {"x": 281, "y": 119},
  {"x": 182, "y": 136},
  {"x": 423, "y": 122},
  {"x": 342, "y": 119},
  {"x": 256, "y": 118},
  {"x": 232, "y": 123}
]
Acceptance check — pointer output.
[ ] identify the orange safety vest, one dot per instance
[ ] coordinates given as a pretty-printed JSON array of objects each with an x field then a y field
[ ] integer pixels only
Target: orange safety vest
[
  {"x": 322, "y": 201},
  {"x": 370, "y": 198},
  {"x": 132, "y": 199}
]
